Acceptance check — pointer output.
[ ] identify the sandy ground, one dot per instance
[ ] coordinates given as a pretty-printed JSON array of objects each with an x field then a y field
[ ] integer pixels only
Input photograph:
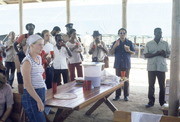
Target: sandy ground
[{"x": 137, "y": 99}]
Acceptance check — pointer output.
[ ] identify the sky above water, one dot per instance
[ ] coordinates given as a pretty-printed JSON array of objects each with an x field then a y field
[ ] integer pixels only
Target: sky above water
[{"x": 88, "y": 15}]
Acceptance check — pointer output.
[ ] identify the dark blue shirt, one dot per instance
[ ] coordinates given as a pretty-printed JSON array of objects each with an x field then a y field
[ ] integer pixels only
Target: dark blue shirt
[{"x": 122, "y": 58}]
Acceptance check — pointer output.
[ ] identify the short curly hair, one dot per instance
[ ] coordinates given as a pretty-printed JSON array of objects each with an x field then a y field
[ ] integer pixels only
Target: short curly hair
[{"x": 29, "y": 24}]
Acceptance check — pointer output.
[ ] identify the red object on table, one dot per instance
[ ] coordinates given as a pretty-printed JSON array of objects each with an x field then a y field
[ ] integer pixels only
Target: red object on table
[
  {"x": 87, "y": 85},
  {"x": 52, "y": 52},
  {"x": 77, "y": 43},
  {"x": 123, "y": 74},
  {"x": 54, "y": 87}
]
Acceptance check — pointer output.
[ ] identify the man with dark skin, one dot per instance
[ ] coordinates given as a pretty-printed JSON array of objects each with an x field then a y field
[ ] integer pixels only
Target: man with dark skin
[
  {"x": 156, "y": 51},
  {"x": 56, "y": 30},
  {"x": 66, "y": 37},
  {"x": 22, "y": 38},
  {"x": 6, "y": 100},
  {"x": 98, "y": 49}
]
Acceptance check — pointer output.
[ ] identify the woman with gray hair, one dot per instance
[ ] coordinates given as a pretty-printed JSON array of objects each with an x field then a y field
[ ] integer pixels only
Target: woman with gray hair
[{"x": 33, "y": 97}]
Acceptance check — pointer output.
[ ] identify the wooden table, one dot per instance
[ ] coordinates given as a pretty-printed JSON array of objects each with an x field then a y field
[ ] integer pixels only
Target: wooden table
[{"x": 84, "y": 98}]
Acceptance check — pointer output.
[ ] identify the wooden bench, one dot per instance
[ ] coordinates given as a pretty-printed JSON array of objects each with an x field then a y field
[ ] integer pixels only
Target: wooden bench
[
  {"x": 84, "y": 98},
  {"x": 17, "y": 114},
  {"x": 122, "y": 116}
]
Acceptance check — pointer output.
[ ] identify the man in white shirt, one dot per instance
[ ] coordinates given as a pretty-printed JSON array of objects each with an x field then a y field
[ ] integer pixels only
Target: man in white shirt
[
  {"x": 61, "y": 53},
  {"x": 56, "y": 30},
  {"x": 66, "y": 37}
]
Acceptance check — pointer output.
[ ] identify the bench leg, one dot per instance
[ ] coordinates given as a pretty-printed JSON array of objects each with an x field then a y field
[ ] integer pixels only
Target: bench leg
[{"x": 62, "y": 114}]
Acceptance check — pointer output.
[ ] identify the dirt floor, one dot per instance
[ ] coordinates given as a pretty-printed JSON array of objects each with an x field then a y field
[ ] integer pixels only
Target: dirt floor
[{"x": 137, "y": 99}]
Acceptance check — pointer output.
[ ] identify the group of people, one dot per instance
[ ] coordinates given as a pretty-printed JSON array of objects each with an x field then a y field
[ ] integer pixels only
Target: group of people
[{"x": 41, "y": 58}]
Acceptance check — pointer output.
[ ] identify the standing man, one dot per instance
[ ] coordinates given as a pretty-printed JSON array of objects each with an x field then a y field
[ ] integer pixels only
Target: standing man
[
  {"x": 98, "y": 49},
  {"x": 156, "y": 51},
  {"x": 122, "y": 49},
  {"x": 66, "y": 37},
  {"x": 22, "y": 38},
  {"x": 9, "y": 60},
  {"x": 56, "y": 30}
]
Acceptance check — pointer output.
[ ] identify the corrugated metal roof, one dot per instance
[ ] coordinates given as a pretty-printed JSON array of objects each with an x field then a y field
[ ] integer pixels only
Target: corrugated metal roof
[{"x": 25, "y": 1}]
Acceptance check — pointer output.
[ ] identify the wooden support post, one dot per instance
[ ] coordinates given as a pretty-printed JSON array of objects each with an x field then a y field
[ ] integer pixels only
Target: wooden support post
[
  {"x": 20, "y": 16},
  {"x": 175, "y": 61},
  {"x": 124, "y": 15},
  {"x": 2, "y": 2},
  {"x": 68, "y": 12}
]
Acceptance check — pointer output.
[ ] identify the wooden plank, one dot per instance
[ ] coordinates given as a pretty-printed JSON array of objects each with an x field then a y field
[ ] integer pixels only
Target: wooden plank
[
  {"x": 60, "y": 89},
  {"x": 26, "y": 1},
  {"x": 87, "y": 97},
  {"x": 100, "y": 96},
  {"x": 75, "y": 89},
  {"x": 2, "y": 2},
  {"x": 84, "y": 98},
  {"x": 121, "y": 116},
  {"x": 81, "y": 97}
]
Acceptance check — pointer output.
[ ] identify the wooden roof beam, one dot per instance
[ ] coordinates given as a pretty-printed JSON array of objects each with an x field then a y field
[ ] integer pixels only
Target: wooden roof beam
[
  {"x": 2, "y": 2},
  {"x": 39, "y": 0}
]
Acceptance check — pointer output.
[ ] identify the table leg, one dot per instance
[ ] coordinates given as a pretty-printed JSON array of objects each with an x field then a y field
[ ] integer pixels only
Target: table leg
[
  {"x": 62, "y": 114},
  {"x": 95, "y": 106},
  {"x": 110, "y": 105},
  {"x": 99, "y": 102}
]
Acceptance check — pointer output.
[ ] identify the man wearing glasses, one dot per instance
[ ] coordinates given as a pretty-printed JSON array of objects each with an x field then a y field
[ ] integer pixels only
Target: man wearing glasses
[{"x": 122, "y": 49}]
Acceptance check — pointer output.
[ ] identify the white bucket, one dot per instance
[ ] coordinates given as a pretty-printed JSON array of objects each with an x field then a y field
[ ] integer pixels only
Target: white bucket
[
  {"x": 92, "y": 71},
  {"x": 96, "y": 81}
]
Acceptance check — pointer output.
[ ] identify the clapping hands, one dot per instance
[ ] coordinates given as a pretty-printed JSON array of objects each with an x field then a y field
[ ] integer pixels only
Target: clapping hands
[
  {"x": 127, "y": 48},
  {"x": 161, "y": 53}
]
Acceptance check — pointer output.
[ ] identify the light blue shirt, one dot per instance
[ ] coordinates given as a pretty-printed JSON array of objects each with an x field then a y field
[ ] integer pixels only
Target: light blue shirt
[{"x": 157, "y": 63}]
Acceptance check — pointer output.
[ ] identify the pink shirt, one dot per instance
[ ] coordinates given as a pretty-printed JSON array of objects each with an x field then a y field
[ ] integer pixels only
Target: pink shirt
[{"x": 6, "y": 97}]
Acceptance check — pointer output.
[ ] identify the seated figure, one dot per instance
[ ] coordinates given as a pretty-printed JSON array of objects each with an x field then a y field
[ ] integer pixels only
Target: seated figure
[{"x": 6, "y": 99}]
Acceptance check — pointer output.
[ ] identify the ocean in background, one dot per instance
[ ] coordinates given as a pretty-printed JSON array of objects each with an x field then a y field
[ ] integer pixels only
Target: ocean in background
[{"x": 142, "y": 18}]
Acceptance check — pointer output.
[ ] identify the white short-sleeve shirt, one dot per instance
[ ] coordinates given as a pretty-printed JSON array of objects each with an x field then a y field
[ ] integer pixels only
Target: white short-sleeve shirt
[
  {"x": 75, "y": 58},
  {"x": 48, "y": 47},
  {"x": 60, "y": 58}
]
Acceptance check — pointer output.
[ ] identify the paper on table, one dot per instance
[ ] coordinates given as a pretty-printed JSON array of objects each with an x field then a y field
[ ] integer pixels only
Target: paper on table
[
  {"x": 65, "y": 96},
  {"x": 145, "y": 117}
]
